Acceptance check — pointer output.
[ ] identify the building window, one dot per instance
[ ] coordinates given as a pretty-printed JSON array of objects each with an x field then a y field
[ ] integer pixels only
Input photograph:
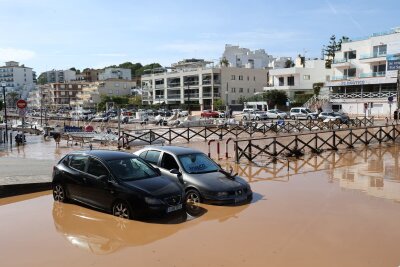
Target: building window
[
  {"x": 70, "y": 93},
  {"x": 254, "y": 78},
  {"x": 62, "y": 86},
  {"x": 254, "y": 90},
  {"x": 380, "y": 50},
  {"x": 240, "y": 90},
  {"x": 290, "y": 81},
  {"x": 380, "y": 68},
  {"x": 233, "y": 89},
  {"x": 233, "y": 102},
  {"x": 248, "y": 78},
  {"x": 328, "y": 78},
  {"x": 233, "y": 77},
  {"x": 248, "y": 90},
  {"x": 240, "y": 77},
  {"x": 281, "y": 81},
  {"x": 70, "y": 86},
  {"x": 306, "y": 77},
  {"x": 62, "y": 93},
  {"x": 350, "y": 72},
  {"x": 350, "y": 54}
]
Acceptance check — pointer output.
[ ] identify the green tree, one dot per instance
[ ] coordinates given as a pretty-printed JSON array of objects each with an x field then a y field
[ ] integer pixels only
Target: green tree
[
  {"x": 121, "y": 101},
  {"x": 224, "y": 62},
  {"x": 275, "y": 97},
  {"x": 317, "y": 88},
  {"x": 289, "y": 63},
  {"x": 42, "y": 79},
  {"x": 74, "y": 69},
  {"x": 218, "y": 104},
  {"x": 12, "y": 98},
  {"x": 1, "y": 105},
  {"x": 332, "y": 48},
  {"x": 135, "y": 100},
  {"x": 151, "y": 66}
]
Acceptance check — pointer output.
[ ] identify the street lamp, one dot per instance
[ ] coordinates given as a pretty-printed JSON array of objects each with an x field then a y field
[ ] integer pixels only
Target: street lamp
[{"x": 3, "y": 84}]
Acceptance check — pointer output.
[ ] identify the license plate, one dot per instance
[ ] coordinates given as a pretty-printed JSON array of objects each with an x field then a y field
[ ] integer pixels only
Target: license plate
[
  {"x": 174, "y": 208},
  {"x": 240, "y": 199}
]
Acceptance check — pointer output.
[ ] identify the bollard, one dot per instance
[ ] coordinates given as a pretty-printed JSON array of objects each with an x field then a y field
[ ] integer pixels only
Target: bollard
[{"x": 226, "y": 147}]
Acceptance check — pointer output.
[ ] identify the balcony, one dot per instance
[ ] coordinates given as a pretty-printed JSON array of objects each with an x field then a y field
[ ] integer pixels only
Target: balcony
[
  {"x": 373, "y": 74},
  {"x": 192, "y": 95},
  {"x": 159, "y": 86},
  {"x": 341, "y": 62},
  {"x": 172, "y": 85}
]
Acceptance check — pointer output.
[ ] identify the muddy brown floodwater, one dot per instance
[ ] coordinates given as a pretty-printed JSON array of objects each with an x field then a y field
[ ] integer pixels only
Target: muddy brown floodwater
[{"x": 336, "y": 209}]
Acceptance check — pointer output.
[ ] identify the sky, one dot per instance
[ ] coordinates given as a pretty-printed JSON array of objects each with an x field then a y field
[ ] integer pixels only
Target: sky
[{"x": 46, "y": 35}]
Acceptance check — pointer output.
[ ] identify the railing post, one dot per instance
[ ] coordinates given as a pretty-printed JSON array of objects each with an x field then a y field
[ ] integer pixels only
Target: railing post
[
  {"x": 274, "y": 147},
  {"x": 394, "y": 133},
  {"x": 316, "y": 142},
  {"x": 188, "y": 137},
  {"x": 169, "y": 135},
  {"x": 334, "y": 140},
  {"x": 205, "y": 133},
  {"x": 380, "y": 134},
  {"x": 250, "y": 150},
  {"x": 366, "y": 135}
]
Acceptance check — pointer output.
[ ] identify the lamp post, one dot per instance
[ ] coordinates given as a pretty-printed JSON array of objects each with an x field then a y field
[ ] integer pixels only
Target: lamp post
[{"x": 3, "y": 84}]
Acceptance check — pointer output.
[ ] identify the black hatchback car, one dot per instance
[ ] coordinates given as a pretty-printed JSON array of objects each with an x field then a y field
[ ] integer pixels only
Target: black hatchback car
[{"x": 117, "y": 182}]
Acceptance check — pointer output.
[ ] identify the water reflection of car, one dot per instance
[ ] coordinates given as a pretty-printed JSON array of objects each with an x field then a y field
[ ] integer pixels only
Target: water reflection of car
[
  {"x": 99, "y": 233},
  {"x": 204, "y": 180},
  {"x": 117, "y": 182}
]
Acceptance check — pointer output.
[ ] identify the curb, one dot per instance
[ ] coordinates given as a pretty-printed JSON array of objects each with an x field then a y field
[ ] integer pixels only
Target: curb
[{"x": 20, "y": 189}]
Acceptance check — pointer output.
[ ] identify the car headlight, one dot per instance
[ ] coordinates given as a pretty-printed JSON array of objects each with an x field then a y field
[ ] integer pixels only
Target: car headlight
[
  {"x": 152, "y": 201},
  {"x": 222, "y": 194}
]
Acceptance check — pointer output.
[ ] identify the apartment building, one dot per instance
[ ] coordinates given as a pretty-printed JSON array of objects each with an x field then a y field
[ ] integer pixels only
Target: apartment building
[
  {"x": 193, "y": 81},
  {"x": 115, "y": 73},
  {"x": 63, "y": 94},
  {"x": 365, "y": 75},
  {"x": 299, "y": 79},
  {"x": 58, "y": 76},
  {"x": 16, "y": 77},
  {"x": 239, "y": 57},
  {"x": 91, "y": 75},
  {"x": 91, "y": 94}
]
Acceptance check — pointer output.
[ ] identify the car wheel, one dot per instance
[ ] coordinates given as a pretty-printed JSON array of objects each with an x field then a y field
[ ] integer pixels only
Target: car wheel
[
  {"x": 244, "y": 118},
  {"x": 309, "y": 118},
  {"x": 193, "y": 197},
  {"x": 257, "y": 118},
  {"x": 59, "y": 193},
  {"x": 121, "y": 209},
  {"x": 293, "y": 117},
  {"x": 279, "y": 117}
]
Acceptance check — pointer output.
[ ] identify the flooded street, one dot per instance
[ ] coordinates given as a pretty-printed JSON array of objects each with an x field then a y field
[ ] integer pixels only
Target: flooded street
[{"x": 336, "y": 209}]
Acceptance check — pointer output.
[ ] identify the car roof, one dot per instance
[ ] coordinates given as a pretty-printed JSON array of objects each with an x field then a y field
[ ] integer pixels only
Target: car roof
[
  {"x": 105, "y": 154},
  {"x": 177, "y": 150}
]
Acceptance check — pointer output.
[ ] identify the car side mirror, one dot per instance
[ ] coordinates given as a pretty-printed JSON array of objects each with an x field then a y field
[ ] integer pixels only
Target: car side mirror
[
  {"x": 105, "y": 178},
  {"x": 178, "y": 174}
]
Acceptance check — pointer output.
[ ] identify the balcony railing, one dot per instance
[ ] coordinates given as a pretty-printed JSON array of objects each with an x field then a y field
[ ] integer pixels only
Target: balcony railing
[
  {"x": 174, "y": 96},
  {"x": 159, "y": 96},
  {"x": 178, "y": 84},
  {"x": 384, "y": 94},
  {"x": 373, "y": 55},
  {"x": 159, "y": 86},
  {"x": 340, "y": 60},
  {"x": 192, "y": 95},
  {"x": 373, "y": 74},
  {"x": 343, "y": 77}
]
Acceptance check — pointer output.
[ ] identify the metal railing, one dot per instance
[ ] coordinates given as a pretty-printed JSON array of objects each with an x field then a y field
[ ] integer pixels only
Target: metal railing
[
  {"x": 340, "y": 60},
  {"x": 373, "y": 74},
  {"x": 297, "y": 144},
  {"x": 384, "y": 94},
  {"x": 373, "y": 55}
]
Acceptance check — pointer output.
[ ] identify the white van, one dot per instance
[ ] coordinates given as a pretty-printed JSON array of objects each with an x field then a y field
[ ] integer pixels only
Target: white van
[{"x": 302, "y": 113}]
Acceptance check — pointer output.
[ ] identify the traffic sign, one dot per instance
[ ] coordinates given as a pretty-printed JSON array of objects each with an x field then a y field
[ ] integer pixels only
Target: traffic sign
[
  {"x": 390, "y": 99},
  {"x": 22, "y": 113},
  {"x": 21, "y": 104}
]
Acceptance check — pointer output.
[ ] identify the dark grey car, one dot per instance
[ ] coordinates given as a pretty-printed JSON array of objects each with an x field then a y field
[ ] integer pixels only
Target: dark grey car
[{"x": 203, "y": 179}]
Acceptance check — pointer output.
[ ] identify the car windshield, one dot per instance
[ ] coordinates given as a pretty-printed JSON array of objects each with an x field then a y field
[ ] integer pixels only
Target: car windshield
[
  {"x": 197, "y": 163},
  {"x": 309, "y": 111},
  {"x": 131, "y": 169}
]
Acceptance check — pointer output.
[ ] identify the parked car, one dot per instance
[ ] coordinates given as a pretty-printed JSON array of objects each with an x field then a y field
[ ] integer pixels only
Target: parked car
[
  {"x": 330, "y": 115},
  {"x": 164, "y": 112},
  {"x": 255, "y": 115},
  {"x": 276, "y": 114},
  {"x": 302, "y": 113},
  {"x": 203, "y": 179},
  {"x": 209, "y": 114},
  {"x": 117, "y": 182}
]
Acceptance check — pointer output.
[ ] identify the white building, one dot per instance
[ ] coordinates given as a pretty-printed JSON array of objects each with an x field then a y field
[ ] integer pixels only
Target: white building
[
  {"x": 279, "y": 63},
  {"x": 193, "y": 82},
  {"x": 365, "y": 74},
  {"x": 16, "y": 77},
  {"x": 115, "y": 73},
  {"x": 59, "y": 76},
  {"x": 243, "y": 57},
  {"x": 299, "y": 79}
]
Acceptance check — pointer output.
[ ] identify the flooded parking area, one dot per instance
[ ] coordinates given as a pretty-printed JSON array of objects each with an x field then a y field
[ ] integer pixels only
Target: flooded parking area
[{"x": 335, "y": 209}]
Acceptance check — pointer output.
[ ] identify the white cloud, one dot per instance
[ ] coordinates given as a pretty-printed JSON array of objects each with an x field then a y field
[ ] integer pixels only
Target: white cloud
[{"x": 7, "y": 54}]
